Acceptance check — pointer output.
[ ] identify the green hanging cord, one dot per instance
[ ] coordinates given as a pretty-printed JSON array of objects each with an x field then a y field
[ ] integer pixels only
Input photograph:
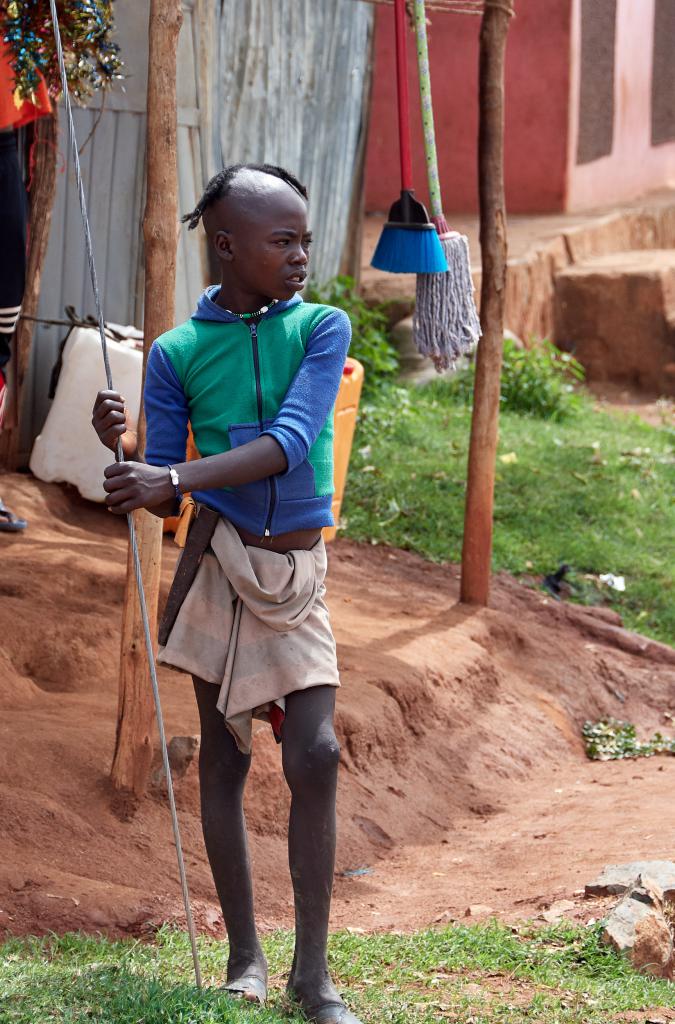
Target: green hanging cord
[{"x": 428, "y": 117}]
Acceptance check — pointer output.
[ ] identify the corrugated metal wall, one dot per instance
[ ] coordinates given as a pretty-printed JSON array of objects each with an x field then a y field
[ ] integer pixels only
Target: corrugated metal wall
[
  {"x": 264, "y": 80},
  {"x": 289, "y": 82}
]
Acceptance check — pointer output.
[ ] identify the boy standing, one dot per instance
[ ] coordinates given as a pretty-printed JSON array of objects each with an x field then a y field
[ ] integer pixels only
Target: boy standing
[{"x": 256, "y": 372}]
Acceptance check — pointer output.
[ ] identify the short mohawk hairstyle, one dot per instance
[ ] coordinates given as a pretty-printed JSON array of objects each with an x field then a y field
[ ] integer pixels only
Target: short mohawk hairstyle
[{"x": 221, "y": 183}]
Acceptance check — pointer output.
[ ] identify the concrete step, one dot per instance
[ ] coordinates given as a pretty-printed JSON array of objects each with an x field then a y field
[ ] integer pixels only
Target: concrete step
[{"x": 616, "y": 313}]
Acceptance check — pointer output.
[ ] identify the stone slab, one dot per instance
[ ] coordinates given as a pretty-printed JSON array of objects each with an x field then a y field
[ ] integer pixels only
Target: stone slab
[
  {"x": 616, "y": 313},
  {"x": 616, "y": 879}
]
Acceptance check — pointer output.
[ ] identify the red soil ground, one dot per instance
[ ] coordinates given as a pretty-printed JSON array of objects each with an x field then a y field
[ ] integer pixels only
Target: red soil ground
[{"x": 463, "y": 778}]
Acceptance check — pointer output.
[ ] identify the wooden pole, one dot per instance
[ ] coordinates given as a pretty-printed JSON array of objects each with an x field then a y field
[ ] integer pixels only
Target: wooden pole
[
  {"x": 44, "y": 146},
  {"x": 477, "y": 547},
  {"x": 135, "y": 719}
]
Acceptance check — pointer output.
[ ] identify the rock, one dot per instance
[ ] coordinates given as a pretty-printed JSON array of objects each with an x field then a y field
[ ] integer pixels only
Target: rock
[
  {"x": 652, "y": 951},
  {"x": 181, "y": 751},
  {"x": 557, "y": 910},
  {"x": 212, "y": 918},
  {"x": 413, "y": 367},
  {"x": 638, "y": 929},
  {"x": 620, "y": 925},
  {"x": 478, "y": 910},
  {"x": 615, "y": 879}
]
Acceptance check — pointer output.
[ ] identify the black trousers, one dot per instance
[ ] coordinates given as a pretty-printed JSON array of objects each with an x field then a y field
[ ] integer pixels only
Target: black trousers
[{"x": 13, "y": 220}]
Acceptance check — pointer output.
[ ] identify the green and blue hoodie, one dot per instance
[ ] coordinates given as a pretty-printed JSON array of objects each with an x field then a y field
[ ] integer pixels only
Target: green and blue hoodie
[{"x": 234, "y": 380}]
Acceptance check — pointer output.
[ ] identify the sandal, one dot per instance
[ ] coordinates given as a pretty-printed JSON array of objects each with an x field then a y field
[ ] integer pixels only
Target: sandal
[
  {"x": 331, "y": 1013},
  {"x": 9, "y": 523},
  {"x": 249, "y": 988},
  {"x": 324, "y": 1013}
]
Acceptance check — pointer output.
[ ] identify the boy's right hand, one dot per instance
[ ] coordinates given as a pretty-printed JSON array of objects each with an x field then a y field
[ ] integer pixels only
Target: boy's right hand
[{"x": 110, "y": 420}]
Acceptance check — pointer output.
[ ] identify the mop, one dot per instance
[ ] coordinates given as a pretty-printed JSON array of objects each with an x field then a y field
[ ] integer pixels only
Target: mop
[
  {"x": 445, "y": 322},
  {"x": 409, "y": 243}
]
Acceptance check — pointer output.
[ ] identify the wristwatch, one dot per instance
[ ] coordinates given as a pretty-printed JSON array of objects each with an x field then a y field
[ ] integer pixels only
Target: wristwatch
[{"x": 176, "y": 483}]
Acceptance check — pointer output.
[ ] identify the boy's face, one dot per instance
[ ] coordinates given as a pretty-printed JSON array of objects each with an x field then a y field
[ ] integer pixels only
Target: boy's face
[{"x": 259, "y": 231}]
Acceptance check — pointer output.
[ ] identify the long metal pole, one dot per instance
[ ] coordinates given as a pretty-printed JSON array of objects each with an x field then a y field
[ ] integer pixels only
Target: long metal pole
[{"x": 132, "y": 534}]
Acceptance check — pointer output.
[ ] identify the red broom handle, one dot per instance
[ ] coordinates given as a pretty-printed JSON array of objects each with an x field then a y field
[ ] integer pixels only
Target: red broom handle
[{"x": 403, "y": 98}]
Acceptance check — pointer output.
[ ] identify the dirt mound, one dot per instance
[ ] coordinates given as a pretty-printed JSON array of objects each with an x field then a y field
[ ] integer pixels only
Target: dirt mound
[{"x": 458, "y": 728}]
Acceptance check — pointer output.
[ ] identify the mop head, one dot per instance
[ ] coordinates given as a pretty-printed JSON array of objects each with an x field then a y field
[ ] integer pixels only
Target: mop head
[{"x": 445, "y": 322}]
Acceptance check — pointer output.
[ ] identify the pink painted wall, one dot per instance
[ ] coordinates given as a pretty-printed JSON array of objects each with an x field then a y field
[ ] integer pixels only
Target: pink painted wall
[
  {"x": 537, "y": 90},
  {"x": 634, "y": 165}
]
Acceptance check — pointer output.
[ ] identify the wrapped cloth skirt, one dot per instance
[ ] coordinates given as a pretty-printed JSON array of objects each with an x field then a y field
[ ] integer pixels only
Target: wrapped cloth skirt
[{"x": 249, "y": 620}]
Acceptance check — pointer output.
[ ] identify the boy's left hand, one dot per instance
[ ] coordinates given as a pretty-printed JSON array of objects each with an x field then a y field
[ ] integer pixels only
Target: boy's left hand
[{"x": 132, "y": 485}]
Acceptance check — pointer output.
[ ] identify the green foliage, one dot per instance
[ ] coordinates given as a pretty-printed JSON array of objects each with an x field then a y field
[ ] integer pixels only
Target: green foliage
[
  {"x": 485, "y": 974},
  {"x": 612, "y": 740},
  {"x": 370, "y": 333},
  {"x": 537, "y": 381},
  {"x": 594, "y": 490}
]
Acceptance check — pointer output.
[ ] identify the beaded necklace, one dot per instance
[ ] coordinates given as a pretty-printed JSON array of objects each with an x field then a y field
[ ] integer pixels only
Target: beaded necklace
[{"x": 258, "y": 312}]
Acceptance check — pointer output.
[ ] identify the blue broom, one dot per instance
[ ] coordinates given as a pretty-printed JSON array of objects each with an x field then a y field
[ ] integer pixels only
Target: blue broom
[{"x": 409, "y": 243}]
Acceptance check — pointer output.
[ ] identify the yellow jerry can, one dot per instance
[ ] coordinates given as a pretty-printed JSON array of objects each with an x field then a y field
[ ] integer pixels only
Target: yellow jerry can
[{"x": 346, "y": 409}]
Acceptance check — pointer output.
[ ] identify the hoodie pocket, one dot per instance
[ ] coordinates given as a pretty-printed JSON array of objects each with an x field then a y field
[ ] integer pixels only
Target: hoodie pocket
[
  {"x": 255, "y": 494},
  {"x": 298, "y": 484}
]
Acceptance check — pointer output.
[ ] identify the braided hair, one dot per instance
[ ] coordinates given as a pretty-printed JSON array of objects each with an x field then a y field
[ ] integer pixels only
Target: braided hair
[{"x": 221, "y": 183}]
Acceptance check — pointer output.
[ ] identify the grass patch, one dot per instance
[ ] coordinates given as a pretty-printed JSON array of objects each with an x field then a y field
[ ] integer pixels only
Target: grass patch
[
  {"x": 560, "y": 975},
  {"x": 537, "y": 381},
  {"x": 612, "y": 740},
  {"x": 594, "y": 490}
]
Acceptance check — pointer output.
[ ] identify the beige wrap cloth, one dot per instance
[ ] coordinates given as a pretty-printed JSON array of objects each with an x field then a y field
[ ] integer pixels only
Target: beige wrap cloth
[{"x": 255, "y": 623}]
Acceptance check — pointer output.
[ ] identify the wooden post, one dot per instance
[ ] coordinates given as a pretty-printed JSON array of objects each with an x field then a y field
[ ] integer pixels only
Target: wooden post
[
  {"x": 477, "y": 547},
  {"x": 135, "y": 720},
  {"x": 41, "y": 203}
]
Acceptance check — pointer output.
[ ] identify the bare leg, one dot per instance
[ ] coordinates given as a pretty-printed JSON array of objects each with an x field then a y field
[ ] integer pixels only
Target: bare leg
[
  {"x": 310, "y": 761},
  {"x": 222, "y": 776}
]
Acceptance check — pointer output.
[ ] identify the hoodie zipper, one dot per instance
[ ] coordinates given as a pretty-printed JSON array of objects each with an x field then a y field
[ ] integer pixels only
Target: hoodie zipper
[{"x": 253, "y": 328}]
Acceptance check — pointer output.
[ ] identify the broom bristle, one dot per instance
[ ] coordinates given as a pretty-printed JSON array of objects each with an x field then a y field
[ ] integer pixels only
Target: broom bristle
[
  {"x": 445, "y": 323},
  {"x": 409, "y": 251}
]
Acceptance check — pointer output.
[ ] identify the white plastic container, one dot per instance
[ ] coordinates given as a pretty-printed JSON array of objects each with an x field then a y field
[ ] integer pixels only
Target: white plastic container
[{"x": 68, "y": 449}]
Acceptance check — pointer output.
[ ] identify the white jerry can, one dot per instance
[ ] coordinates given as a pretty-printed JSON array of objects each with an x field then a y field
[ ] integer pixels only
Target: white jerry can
[{"x": 68, "y": 449}]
